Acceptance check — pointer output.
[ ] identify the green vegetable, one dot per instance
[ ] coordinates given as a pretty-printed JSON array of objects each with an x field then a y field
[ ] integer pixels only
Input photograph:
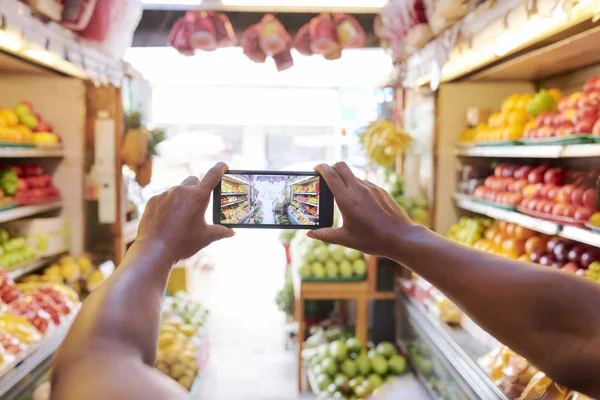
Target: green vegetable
[
  {"x": 9, "y": 181},
  {"x": 285, "y": 298}
]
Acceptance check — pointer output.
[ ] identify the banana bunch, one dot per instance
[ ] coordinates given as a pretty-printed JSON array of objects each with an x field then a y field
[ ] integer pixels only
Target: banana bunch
[{"x": 382, "y": 140}]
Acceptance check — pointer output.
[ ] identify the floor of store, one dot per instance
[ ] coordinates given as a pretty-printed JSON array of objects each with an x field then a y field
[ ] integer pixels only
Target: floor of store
[{"x": 248, "y": 358}]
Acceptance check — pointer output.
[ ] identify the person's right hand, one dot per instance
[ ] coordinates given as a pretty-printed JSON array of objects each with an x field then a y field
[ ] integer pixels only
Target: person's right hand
[{"x": 373, "y": 221}]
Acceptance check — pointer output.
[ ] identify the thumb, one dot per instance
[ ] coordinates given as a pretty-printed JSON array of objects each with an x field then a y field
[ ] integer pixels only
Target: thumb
[
  {"x": 329, "y": 235},
  {"x": 218, "y": 232}
]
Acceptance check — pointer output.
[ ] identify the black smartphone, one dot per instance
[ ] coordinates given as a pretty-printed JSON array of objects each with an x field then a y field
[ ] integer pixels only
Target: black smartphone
[{"x": 269, "y": 199}]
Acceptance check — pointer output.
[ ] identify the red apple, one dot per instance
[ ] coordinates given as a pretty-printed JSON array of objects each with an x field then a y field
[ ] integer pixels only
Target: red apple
[
  {"x": 589, "y": 199},
  {"x": 536, "y": 176},
  {"x": 576, "y": 252},
  {"x": 561, "y": 251},
  {"x": 519, "y": 185},
  {"x": 490, "y": 181},
  {"x": 558, "y": 209},
  {"x": 479, "y": 192},
  {"x": 582, "y": 214},
  {"x": 548, "y": 207},
  {"x": 574, "y": 99},
  {"x": 546, "y": 260},
  {"x": 539, "y": 207},
  {"x": 553, "y": 192},
  {"x": 549, "y": 118},
  {"x": 565, "y": 193},
  {"x": 509, "y": 171},
  {"x": 586, "y": 112},
  {"x": 535, "y": 257},
  {"x": 563, "y": 104},
  {"x": 529, "y": 133},
  {"x": 555, "y": 176},
  {"x": 532, "y": 204},
  {"x": 594, "y": 98},
  {"x": 585, "y": 125},
  {"x": 522, "y": 172},
  {"x": 577, "y": 196},
  {"x": 498, "y": 171},
  {"x": 588, "y": 257},
  {"x": 552, "y": 243},
  {"x": 569, "y": 211},
  {"x": 558, "y": 119}
]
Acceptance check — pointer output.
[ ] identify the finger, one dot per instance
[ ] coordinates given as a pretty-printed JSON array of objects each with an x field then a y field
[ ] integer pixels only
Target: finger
[
  {"x": 190, "y": 181},
  {"x": 213, "y": 176},
  {"x": 218, "y": 232},
  {"x": 329, "y": 235},
  {"x": 346, "y": 173},
  {"x": 332, "y": 178}
]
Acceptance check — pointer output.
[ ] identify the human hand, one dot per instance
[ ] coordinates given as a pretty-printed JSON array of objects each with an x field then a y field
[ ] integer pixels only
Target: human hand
[
  {"x": 373, "y": 222},
  {"x": 175, "y": 219}
]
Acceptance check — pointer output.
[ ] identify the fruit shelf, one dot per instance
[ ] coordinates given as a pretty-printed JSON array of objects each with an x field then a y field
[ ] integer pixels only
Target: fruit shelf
[
  {"x": 550, "y": 228},
  {"x": 305, "y": 202},
  {"x": 306, "y": 194},
  {"x": 551, "y": 151},
  {"x": 453, "y": 349},
  {"x": 23, "y": 152},
  {"x": 11, "y": 375},
  {"x": 232, "y": 203},
  {"x": 28, "y": 211},
  {"x": 32, "y": 266}
]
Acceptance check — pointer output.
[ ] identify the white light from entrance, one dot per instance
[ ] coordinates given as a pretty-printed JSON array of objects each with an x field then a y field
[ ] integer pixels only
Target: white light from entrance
[{"x": 306, "y": 3}]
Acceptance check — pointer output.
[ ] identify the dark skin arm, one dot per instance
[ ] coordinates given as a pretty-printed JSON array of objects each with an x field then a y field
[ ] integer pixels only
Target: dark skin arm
[
  {"x": 110, "y": 350},
  {"x": 550, "y": 317}
]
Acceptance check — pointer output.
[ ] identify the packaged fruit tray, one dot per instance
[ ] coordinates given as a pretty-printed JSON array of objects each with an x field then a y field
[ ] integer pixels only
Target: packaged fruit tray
[
  {"x": 574, "y": 139},
  {"x": 500, "y": 143},
  {"x": 506, "y": 207},
  {"x": 350, "y": 279},
  {"x": 552, "y": 218}
]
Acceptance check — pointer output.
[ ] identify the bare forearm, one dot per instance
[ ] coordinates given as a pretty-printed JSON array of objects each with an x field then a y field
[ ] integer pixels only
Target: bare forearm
[
  {"x": 546, "y": 315},
  {"x": 124, "y": 312}
]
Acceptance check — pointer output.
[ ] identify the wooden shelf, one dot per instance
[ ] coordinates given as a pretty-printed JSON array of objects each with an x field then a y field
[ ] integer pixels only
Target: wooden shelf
[
  {"x": 13, "y": 152},
  {"x": 28, "y": 211},
  {"x": 548, "y": 152}
]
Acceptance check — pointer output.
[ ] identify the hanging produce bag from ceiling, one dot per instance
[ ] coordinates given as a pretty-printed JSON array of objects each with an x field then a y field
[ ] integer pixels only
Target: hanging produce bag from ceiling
[
  {"x": 327, "y": 35},
  {"x": 77, "y": 14},
  {"x": 443, "y": 13},
  {"x": 201, "y": 30},
  {"x": 268, "y": 37},
  {"x": 404, "y": 24}
]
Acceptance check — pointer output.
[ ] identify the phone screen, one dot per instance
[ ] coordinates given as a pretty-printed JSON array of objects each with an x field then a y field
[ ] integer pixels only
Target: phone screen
[{"x": 270, "y": 199}]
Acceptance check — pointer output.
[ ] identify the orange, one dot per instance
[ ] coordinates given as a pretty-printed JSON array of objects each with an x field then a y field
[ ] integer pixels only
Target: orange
[
  {"x": 502, "y": 226},
  {"x": 510, "y": 103},
  {"x": 510, "y": 230},
  {"x": 498, "y": 240},
  {"x": 512, "y": 132},
  {"x": 490, "y": 233},
  {"x": 595, "y": 219},
  {"x": 518, "y": 118},
  {"x": 535, "y": 244},
  {"x": 523, "y": 233},
  {"x": 525, "y": 258},
  {"x": 556, "y": 94},
  {"x": 523, "y": 101}
]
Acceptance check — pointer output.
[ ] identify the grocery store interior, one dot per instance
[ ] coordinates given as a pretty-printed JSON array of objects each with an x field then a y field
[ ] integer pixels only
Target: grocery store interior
[{"x": 480, "y": 118}]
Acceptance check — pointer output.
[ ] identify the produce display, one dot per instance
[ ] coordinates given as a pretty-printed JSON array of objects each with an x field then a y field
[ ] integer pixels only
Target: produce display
[
  {"x": 15, "y": 251},
  {"x": 563, "y": 195},
  {"x": 417, "y": 208},
  {"x": 268, "y": 38},
  {"x": 179, "y": 338},
  {"x": 201, "y": 30},
  {"x": 79, "y": 274},
  {"x": 345, "y": 369},
  {"x": 516, "y": 242},
  {"x": 327, "y": 262},
  {"x": 34, "y": 187},
  {"x": 21, "y": 125},
  {"x": 140, "y": 145},
  {"x": 383, "y": 140},
  {"x": 29, "y": 314}
]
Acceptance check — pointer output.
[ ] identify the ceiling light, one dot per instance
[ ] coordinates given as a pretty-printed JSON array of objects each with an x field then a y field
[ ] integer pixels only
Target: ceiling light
[{"x": 307, "y": 3}]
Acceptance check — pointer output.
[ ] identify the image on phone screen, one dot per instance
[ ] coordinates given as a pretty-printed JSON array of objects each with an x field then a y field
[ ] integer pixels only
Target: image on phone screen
[{"x": 270, "y": 199}]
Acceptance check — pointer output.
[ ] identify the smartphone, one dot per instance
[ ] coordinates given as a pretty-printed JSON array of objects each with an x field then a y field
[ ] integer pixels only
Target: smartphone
[{"x": 269, "y": 199}]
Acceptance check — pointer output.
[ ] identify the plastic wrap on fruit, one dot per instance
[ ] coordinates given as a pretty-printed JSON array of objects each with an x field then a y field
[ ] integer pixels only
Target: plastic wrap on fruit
[
  {"x": 302, "y": 40},
  {"x": 323, "y": 37},
  {"x": 203, "y": 36},
  {"x": 578, "y": 396},
  {"x": 349, "y": 32},
  {"x": 224, "y": 31},
  {"x": 273, "y": 37},
  {"x": 542, "y": 387},
  {"x": 335, "y": 54},
  {"x": 283, "y": 60},
  {"x": 251, "y": 44},
  {"x": 179, "y": 38}
]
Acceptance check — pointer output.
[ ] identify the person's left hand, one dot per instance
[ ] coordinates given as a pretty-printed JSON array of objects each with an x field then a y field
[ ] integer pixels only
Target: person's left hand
[{"x": 176, "y": 221}]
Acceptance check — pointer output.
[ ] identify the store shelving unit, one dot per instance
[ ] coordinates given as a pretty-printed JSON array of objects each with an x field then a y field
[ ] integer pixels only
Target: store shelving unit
[
  {"x": 362, "y": 292},
  {"x": 29, "y": 211},
  {"x": 37, "y": 354},
  {"x": 12, "y": 152},
  {"x": 231, "y": 180},
  {"x": 296, "y": 202},
  {"x": 32, "y": 266},
  {"x": 540, "y": 152}
]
